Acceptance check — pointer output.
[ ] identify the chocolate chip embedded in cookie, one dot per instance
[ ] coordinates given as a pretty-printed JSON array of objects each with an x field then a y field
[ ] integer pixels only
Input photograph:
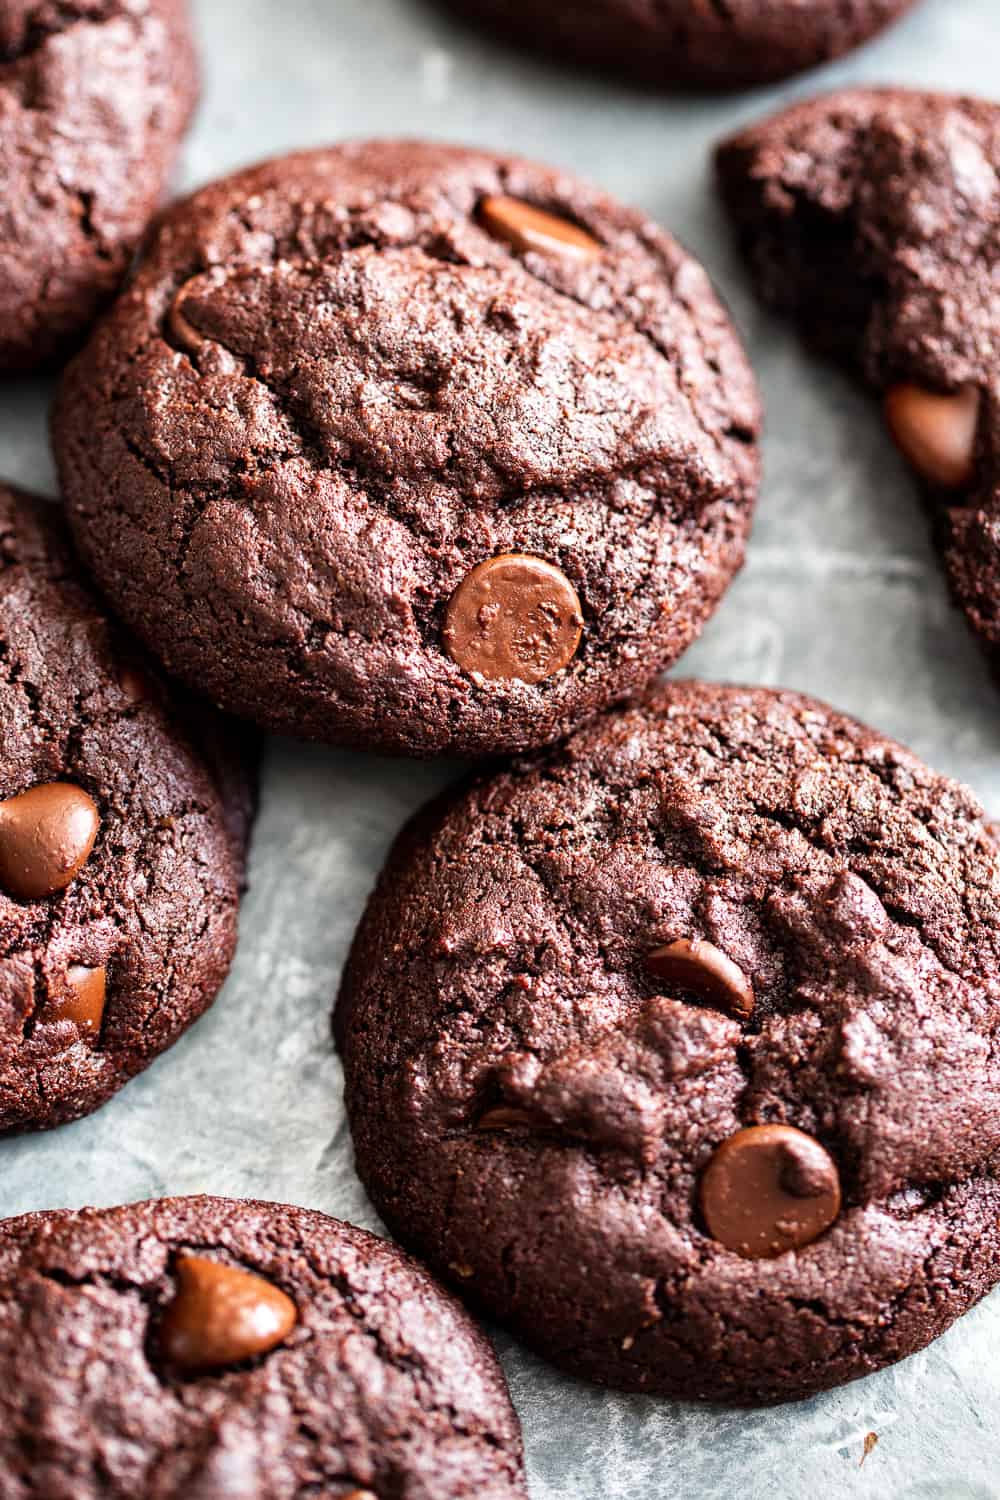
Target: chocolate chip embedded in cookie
[
  {"x": 413, "y": 448},
  {"x": 936, "y": 433},
  {"x": 528, "y": 228},
  {"x": 222, "y": 1315},
  {"x": 768, "y": 1189},
  {"x": 514, "y": 618},
  {"x": 870, "y": 216},
  {"x": 95, "y": 96},
  {"x": 46, "y": 836},
  {"x": 245, "y": 1349},
  {"x": 705, "y": 970},
  {"x": 124, "y": 815},
  {"x": 654, "y": 1045},
  {"x": 671, "y": 43}
]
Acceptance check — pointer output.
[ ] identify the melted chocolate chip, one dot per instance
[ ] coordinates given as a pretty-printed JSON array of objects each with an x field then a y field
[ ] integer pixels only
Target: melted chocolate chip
[
  {"x": 222, "y": 1315},
  {"x": 525, "y": 228},
  {"x": 768, "y": 1189},
  {"x": 46, "y": 836},
  {"x": 693, "y": 964},
  {"x": 82, "y": 1000},
  {"x": 513, "y": 617},
  {"x": 936, "y": 434}
]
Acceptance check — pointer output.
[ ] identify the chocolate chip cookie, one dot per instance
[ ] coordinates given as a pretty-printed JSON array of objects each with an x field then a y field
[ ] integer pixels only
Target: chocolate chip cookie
[
  {"x": 677, "y": 1049},
  {"x": 121, "y": 844},
  {"x": 872, "y": 217},
  {"x": 675, "y": 43},
  {"x": 195, "y": 1348},
  {"x": 94, "y": 98},
  {"x": 413, "y": 448}
]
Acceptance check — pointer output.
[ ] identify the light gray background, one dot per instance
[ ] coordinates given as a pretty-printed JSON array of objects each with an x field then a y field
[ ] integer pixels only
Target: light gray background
[{"x": 841, "y": 596}]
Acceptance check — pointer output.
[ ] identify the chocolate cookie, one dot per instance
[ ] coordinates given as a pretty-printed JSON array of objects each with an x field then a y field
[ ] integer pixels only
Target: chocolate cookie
[
  {"x": 873, "y": 218},
  {"x": 410, "y": 447},
  {"x": 94, "y": 98},
  {"x": 195, "y": 1348},
  {"x": 677, "y": 1049},
  {"x": 121, "y": 852},
  {"x": 675, "y": 43}
]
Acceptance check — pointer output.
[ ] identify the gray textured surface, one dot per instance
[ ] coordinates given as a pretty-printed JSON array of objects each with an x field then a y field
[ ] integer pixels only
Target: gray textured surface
[{"x": 841, "y": 597}]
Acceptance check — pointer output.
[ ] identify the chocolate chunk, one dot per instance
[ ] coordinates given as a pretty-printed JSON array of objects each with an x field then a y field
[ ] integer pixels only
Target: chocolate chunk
[
  {"x": 935, "y": 433},
  {"x": 525, "y": 228},
  {"x": 706, "y": 971},
  {"x": 222, "y": 1315},
  {"x": 768, "y": 1189},
  {"x": 46, "y": 836},
  {"x": 82, "y": 1001},
  {"x": 513, "y": 617}
]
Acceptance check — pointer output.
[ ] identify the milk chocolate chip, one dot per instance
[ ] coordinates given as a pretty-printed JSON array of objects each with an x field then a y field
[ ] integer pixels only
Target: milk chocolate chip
[
  {"x": 692, "y": 964},
  {"x": 82, "y": 1001},
  {"x": 768, "y": 1189},
  {"x": 935, "y": 433},
  {"x": 222, "y": 1315},
  {"x": 513, "y": 617},
  {"x": 525, "y": 227},
  {"x": 504, "y": 1117},
  {"x": 46, "y": 835}
]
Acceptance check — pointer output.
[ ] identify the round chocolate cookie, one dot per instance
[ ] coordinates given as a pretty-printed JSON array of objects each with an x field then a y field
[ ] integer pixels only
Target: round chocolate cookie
[
  {"x": 872, "y": 217},
  {"x": 195, "y": 1348},
  {"x": 94, "y": 98},
  {"x": 678, "y": 44},
  {"x": 121, "y": 845},
  {"x": 676, "y": 1049},
  {"x": 413, "y": 448}
]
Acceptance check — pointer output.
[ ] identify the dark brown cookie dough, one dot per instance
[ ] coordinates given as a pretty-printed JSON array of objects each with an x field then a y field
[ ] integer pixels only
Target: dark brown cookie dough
[
  {"x": 343, "y": 382},
  {"x": 689, "y": 43},
  {"x": 121, "y": 845},
  {"x": 873, "y": 219},
  {"x": 195, "y": 1348},
  {"x": 94, "y": 97},
  {"x": 746, "y": 1172}
]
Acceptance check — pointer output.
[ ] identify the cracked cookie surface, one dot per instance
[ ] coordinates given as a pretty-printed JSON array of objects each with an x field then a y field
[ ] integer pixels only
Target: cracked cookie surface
[
  {"x": 342, "y": 381},
  {"x": 94, "y": 98},
  {"x": 872, "y": 218},
  {"x": 705, "y": 44},
  {"x": 381, "y": 1387},
  {"x": 141, "y": 800},
  {"x": 676, "y": 1049}
]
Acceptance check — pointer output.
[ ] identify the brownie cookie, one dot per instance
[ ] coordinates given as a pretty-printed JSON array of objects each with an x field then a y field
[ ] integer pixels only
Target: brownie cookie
[
  {"x": 195, "y": 1348},
  {"x": 873, "y": 219},
  {"x": 94, "y": 98},
  {"x": 413, "y": 448},
  {"x": 121, "y": 851},
  {"x": 678, "y": 43},
  {"x": 678, "y": 1049}
]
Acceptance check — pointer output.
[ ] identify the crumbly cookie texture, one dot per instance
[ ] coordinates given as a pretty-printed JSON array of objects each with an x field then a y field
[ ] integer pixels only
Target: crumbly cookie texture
[
  {"x": 94, "y": 98},
  {"x": 674, "y": 43},
  {"x": 124, "y": 819},
  {"x": 872, "y": 217},
  {"x": 412, "y": 448},
  {"x": 676, "y": 1048},
  {"x": 190, "y": 1348}
]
